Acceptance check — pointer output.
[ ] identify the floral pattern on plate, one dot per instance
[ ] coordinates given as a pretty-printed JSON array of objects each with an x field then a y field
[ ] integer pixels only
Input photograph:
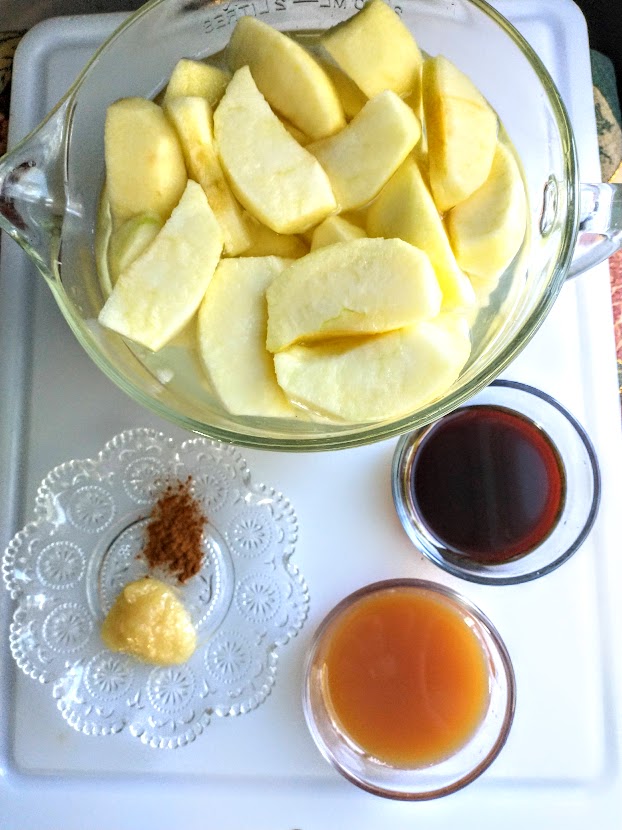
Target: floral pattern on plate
[{"x": 65, "y": 569}]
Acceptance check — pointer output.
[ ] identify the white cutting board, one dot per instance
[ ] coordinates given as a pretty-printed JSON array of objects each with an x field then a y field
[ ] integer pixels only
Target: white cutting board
[{"x": 561, "y": 765}]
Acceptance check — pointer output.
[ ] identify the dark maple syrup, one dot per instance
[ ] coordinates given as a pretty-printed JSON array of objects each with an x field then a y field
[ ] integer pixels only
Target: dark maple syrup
[{"x": 488, "y": 483}]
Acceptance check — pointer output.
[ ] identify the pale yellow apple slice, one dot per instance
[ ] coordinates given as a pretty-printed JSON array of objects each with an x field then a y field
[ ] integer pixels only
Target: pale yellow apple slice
[
  {"x": 352, "y": 98},
  {"x": 487, "y": 229},
  {"x": 290, "y": 79},
  {"x": 461, "y": 131},
  {"x": 192, "y": 118},
  {"x": 266, "y": 242},
  {"x": 162, "y": 289},
  {"x": 335, "y": 229},
  {"x": 405, "y": 208},
  {"x": 376, "y": 50},
  {"x": 130, "y": 240},
  {"x": 379, "y": 377},
  {"x": 361, "y": 158},
  {"x": 145, "y": 169},
  {"x": 300, "y": 137},
  {"x": 231, "y": 333},
  {"x": 350, "y": 288},
  {"x": 279, "y": 182},
  {"x": 190, "y": 77}
]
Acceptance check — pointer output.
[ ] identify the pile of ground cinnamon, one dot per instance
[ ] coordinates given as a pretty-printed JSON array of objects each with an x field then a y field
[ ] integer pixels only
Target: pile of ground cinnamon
[{"x": 175, "y": 531}]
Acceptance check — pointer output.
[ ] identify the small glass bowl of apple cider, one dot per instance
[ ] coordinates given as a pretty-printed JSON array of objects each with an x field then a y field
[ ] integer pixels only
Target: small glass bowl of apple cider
[{"x": 409, "y": 690}]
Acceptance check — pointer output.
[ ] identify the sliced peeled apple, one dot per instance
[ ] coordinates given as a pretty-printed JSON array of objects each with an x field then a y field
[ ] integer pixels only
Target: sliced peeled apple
[
  {"x": 291, "y": 80},
  {"x": 231, "y": 332},
  {"x": 162, "y": 289},
  {"x": 351, "y": 288},
  {"x": 279, "y": 182},
  {"x": 145, "y": 169},
  {"x": 376, "y": 50},
  {"x": 461, "y": 132},
  {"x": 130, "y": 240},
  {"x": 352, "y": 98},
  {"x": 335, "y": 229},
  {"x": 405, "y": 209},
  {"x": 376, "y": 378},
  {"x": 266, "y": 242},
  {"x": 487, "y": 229},
  {"x": 192, "y": 118},
  {"x": 300, "y": 137},
  {"x": 190, "y": 77},
  {"x": 361, "y": 158}
]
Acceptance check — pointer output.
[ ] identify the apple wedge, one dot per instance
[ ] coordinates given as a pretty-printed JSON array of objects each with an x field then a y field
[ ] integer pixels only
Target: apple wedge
[
  {"x": 266, "y": 242},
  {"x": 145, "y": 169},
  {"x": 279, "y": 182},
  {"x": 352, "y": 98},
  {"x": 335, "y": 229},
  {"x": 295, "y": 133},
  {"x": 190, "y": 77},
  {"x": 461, "y": 132},
  {"x": 487, "y": 229},
  {"x": 405, "y": 209},
  {"x": 376, "y": 378},
  {"x": 376, "y": 50},
  {"x": 290, "y": 79},
  {"x": 231, "y": 333},
  {"x": 351, "y": 288},
  {"x": 192, "y": 118},
  {"x": 361, "y": 158},
  {"x": 130, "y": 240},
  {"x": 162, "y": 289}
]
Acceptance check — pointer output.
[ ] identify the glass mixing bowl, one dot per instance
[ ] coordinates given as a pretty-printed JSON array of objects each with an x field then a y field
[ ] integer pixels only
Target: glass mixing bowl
[{"x": 50, "y": 188}]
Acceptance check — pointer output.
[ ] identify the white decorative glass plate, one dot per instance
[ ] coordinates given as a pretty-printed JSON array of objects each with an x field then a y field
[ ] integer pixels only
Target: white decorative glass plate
[{"x": 66, "y": 568}]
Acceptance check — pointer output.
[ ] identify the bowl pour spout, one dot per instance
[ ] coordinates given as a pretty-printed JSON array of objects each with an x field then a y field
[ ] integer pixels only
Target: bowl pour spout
[{"x": 32, "y": 190}]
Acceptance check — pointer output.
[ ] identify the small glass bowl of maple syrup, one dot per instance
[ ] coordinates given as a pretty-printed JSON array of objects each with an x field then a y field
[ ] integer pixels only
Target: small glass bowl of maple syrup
[
  {"x": 409, "y": 690},
  {"x": 502, "y": 490}
]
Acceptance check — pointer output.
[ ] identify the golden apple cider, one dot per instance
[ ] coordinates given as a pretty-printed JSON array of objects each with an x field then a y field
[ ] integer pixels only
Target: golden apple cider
[{"x": 406, "y": 677}]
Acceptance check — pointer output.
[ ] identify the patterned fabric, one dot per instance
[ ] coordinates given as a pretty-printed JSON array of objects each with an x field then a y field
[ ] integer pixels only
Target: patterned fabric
[
  {"x": 608, "y": 121},
  {"x": 8, "y": 45},
  {"x": 609, "y": 124}
]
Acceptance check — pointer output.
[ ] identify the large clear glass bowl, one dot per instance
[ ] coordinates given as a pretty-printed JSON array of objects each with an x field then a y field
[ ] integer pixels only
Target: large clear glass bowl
[{"x": 62, "y": 165}]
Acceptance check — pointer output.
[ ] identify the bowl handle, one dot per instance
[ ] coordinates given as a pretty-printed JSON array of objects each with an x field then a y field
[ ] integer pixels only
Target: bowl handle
[{"x": 600, "y": 226}]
